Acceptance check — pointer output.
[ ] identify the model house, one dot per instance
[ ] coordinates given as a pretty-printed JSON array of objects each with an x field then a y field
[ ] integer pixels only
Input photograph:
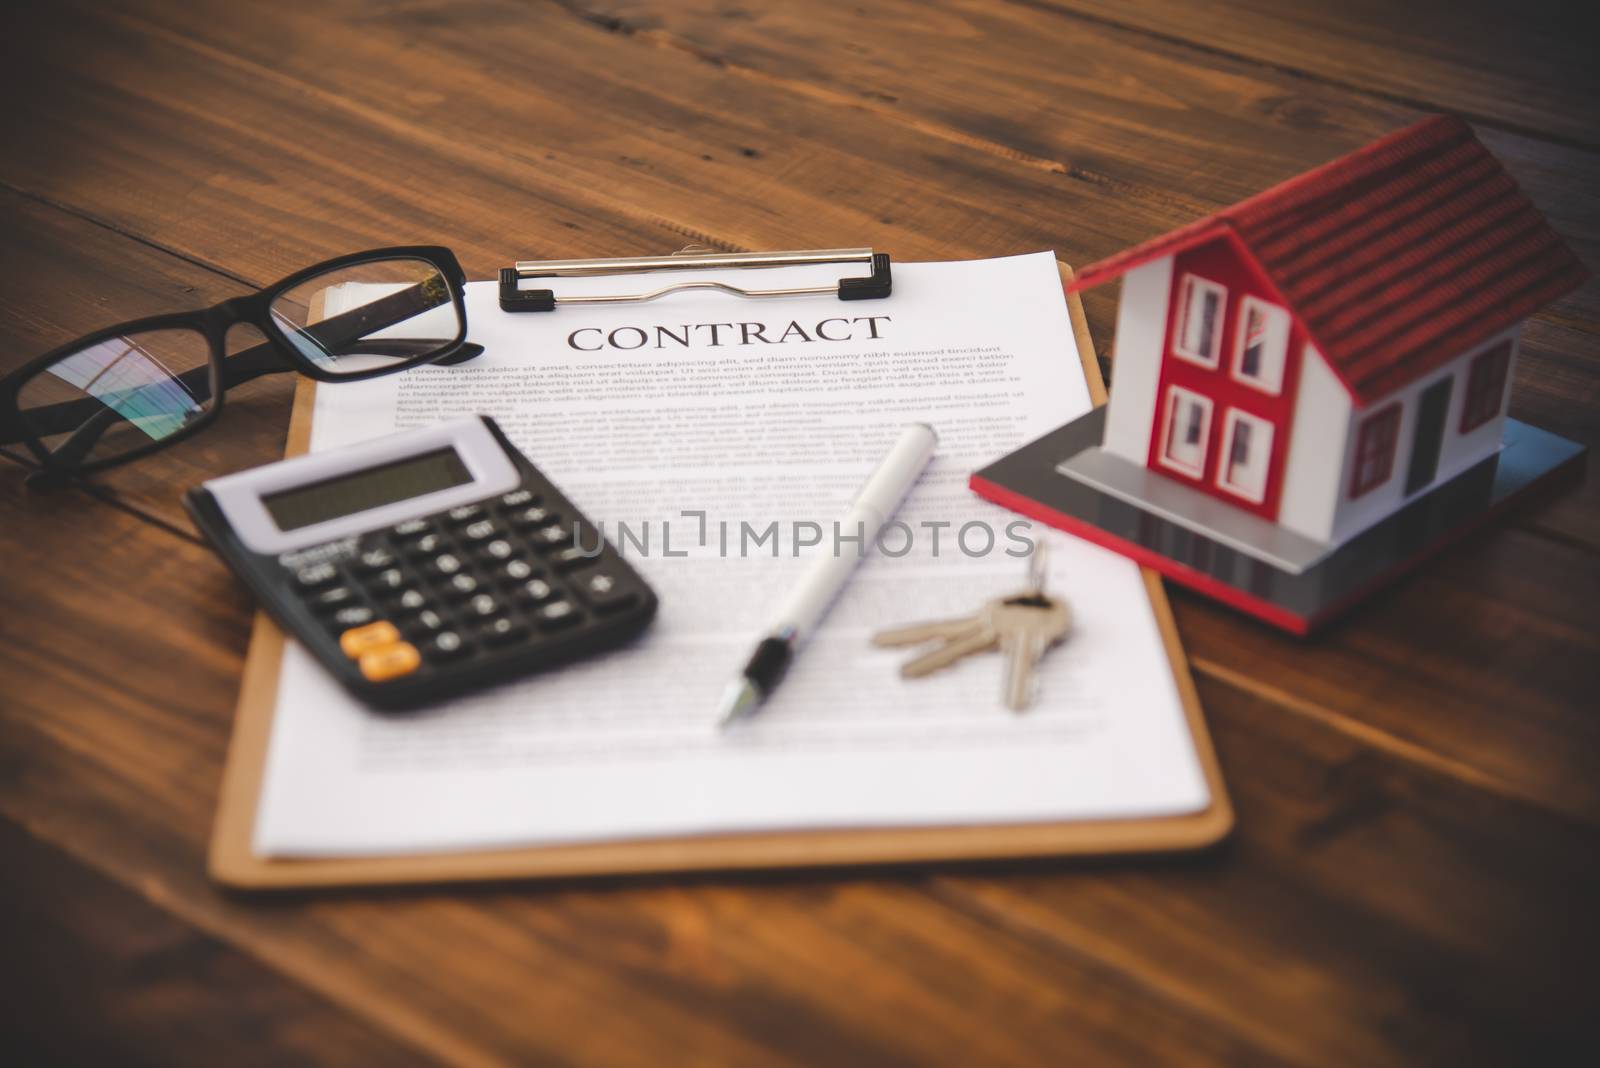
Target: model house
[{"x": 1331, "y": 349}]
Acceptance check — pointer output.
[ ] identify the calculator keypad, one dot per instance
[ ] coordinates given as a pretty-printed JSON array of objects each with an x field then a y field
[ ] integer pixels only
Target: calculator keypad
[{"x": 441, "y": 592}]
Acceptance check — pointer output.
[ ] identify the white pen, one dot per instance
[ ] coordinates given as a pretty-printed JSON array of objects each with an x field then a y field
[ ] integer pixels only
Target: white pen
[{"x": 809, "y": 601}]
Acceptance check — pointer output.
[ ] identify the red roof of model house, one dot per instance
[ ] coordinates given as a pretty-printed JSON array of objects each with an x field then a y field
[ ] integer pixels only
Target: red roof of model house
[{"x": 1395, "y": 258}]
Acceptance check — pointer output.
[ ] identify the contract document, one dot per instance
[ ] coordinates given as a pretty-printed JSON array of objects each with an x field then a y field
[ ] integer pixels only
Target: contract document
[{"x": 716, "y": 440}]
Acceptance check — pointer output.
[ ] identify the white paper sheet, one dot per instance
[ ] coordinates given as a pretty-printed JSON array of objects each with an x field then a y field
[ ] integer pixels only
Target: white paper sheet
[{"x": 625, "y": 745}]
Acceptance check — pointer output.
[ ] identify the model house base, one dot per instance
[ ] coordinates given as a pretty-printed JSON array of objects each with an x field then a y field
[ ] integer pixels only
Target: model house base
[{"x": 1068, "y": 480}]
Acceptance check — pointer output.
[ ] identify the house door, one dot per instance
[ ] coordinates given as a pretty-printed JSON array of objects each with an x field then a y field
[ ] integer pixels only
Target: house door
[{"x": 1428, "y": 438}]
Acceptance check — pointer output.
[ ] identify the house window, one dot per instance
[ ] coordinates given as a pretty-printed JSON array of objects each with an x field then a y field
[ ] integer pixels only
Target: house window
[
  {"x": 1258, "y": 356},
  {"x": 1198, "y": 335},
  {"x": 1486, "y": 386},
  {"x": 1247, "y": 440},
  {"x": 1186, "y": 431},
  {"x": 1375, "y": 443}
]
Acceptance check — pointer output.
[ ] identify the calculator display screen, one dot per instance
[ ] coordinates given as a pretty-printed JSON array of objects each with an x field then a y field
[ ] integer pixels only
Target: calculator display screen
[{"x": 359, "y": 491}]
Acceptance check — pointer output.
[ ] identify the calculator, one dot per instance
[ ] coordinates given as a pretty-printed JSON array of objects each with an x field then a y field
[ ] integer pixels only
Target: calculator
[{"x": 424, "y": 564}]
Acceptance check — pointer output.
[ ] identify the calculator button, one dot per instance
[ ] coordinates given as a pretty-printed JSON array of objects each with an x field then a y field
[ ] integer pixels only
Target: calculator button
[
  {"x": 446, "y": 645},
  {"x": 390, "y": 662},
  {"x": 411, "y": 600},
  {"x": 462, "y": 585},
  {"x": 358, "y": 640},
  {"x": 423, "y": 623},
  {"x": 570, "y": 559},
  {"x": 315, "y": 576},
  {"x": 412, "y": 529},
  {"x": 482, "y": 530},
  {"x": 427, "y": 545},
  {"x": 482, "y": 606},
  {"x": 334, "y": 599},
  {"x": 602, "y": 592},
  {"x": 465, "y": 514},
  {"x": 552, "y": 536},
  {"x": 375, "y": 559},
  {"x": 532, "y": 516},
  {"x": 354, "y": 616},
  {"x": 518, "y": 498},
  {"x": 498, "y": 549},
  {"x": 518, "y": 570},
  {"x": 502, "y": 631},
  {"x": 535, "y": 591},
  {"x": 556, "y": 614},
  {"x": 446, "y": 564},
  {"x": 388, "y": 581}
]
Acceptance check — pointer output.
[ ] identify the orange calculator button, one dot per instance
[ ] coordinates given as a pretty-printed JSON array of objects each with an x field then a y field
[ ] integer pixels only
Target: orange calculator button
[
  {"x": 359, "y": 640},
  {"x": 390, "y": 662}
]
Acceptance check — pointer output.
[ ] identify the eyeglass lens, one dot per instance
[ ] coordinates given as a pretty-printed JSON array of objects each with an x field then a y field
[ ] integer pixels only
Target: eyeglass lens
[
  {"x": 369, "y": 316},
  {"x": 116, "y": 395}
]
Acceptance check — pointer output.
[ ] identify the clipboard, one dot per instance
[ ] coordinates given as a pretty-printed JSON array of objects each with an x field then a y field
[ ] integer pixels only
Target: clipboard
[
  {"x": 232, "y": 863},
  {"x": 875, "y": 286}
]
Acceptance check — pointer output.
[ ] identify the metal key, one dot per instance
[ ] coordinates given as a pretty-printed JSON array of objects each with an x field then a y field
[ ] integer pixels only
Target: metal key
[
  {"x": 958, "y": 637},
  {"x": 1025, "y": 628}
]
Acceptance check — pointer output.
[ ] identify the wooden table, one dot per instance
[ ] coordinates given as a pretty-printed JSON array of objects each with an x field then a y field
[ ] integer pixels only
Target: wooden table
[{"x": 1414, "y": 874}]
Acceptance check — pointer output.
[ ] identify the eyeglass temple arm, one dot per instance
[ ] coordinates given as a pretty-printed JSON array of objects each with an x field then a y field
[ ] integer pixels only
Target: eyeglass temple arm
[{"x": 258, "y": 360}]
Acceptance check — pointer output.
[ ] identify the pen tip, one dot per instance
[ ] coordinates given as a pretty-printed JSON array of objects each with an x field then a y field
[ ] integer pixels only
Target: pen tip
[{"x": 737, "y": 701}]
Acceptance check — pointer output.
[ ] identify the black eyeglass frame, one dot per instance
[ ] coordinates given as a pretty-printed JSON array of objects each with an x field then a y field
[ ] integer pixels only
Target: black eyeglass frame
[{"x": 213, "y": 323}]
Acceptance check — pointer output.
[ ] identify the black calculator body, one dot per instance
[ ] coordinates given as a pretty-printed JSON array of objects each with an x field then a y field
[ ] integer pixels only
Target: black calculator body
[{"x": 424, "y": 564}]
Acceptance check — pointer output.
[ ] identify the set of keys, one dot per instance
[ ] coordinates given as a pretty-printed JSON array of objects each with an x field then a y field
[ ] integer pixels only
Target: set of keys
[{"x": 1024, "y": 626}]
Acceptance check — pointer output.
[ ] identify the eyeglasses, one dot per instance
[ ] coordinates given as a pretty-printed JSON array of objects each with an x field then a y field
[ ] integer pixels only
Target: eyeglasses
[{"x": 127, "y": 390}]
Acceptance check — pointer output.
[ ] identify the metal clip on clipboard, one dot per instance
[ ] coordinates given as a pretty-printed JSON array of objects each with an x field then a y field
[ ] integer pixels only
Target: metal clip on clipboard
[{"x": 513, "y": 298}]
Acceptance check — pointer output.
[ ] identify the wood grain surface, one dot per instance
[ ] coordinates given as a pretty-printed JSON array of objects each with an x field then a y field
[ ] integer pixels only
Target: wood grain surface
[{"x": 1414, "y": 872}]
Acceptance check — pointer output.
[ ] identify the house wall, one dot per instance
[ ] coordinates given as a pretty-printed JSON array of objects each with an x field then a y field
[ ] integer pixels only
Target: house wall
[
  {"x": 1314, "y": 472},
  {"x": 1136, "y": 365},
  {"x": 1224, "y": 262},
  {"x": 1457, "y": 452}
]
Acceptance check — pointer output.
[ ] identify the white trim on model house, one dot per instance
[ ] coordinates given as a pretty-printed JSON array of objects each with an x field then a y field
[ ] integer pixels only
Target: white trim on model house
[
  {"x": 1261, "y": 345},
  {"x": 1136, "y": 367},
  {"x": 1246, "y": 445},
  {"x": 1202, "y": 307},
  {"x": 1313, "y": 471},
  {"x": 1185, "y": 431}
]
